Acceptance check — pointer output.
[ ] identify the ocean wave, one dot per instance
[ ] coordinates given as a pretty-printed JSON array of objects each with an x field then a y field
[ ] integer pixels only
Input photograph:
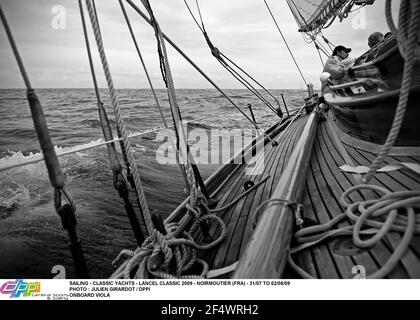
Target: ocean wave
[
  {"x": 199, "y": 125},
  {"x": 95, "y": 123},
  {"x": 11, "y": 195}
]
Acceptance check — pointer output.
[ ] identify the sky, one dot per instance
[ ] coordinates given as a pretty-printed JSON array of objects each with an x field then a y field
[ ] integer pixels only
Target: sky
[{"x": 242, "y": 29}]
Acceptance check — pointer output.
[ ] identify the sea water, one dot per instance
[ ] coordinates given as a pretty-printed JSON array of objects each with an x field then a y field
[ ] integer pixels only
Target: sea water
[{"x": 32, "y": 240}]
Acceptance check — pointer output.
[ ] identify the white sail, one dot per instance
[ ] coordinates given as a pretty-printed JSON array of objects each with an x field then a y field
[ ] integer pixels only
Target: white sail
[{"x": 313, "y": 14}]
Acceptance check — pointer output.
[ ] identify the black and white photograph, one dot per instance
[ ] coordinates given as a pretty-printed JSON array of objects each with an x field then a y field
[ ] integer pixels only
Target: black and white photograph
[{"x": 238, "y": 145}]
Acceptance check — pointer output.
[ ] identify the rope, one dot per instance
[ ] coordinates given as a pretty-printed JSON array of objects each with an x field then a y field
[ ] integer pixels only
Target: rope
[
  {"x": 92, "y": 68},
  {"x": 167, "y": 257},
  {"x": 119, "y": 180},
  {"x": 285, "y": 41},
  {"x": 407, "y": 36},
  {"x": 15, "y": 50},
  {"x": 167, "y": 76},
  {"x": 245, "y": 83},
  {"x": 39, "y": 158},
  {"x": 319, "y": 53},
  {"x": 223, "y": 60},
  {"x": 137, "y": 9},
  {"x": 151, "y": 85},
  {"x": 393, "y": 212},
  {"x": 170, "y": 255},
  {"x": 120, "y": 120},
  {"x": 221, "y": 209},
  {"x": 65, "y": 211},
  {"x": 266, "y": 102}
]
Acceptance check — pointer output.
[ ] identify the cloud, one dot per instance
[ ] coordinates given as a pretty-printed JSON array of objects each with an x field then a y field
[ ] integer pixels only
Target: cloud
[{"x": 241, "y": 29}]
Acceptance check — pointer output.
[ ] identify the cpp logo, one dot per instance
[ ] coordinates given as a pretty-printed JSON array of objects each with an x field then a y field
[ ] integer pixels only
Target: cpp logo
[{"x": 19, "y": 287}]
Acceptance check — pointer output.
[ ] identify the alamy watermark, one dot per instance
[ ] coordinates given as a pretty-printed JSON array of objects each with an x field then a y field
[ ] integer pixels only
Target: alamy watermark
[
  {"x": 359, "y": 271},
  {"x": 58, "y": 21},
  {"x": 358, "y": 21},
  {"x": 215, "y": 146}
]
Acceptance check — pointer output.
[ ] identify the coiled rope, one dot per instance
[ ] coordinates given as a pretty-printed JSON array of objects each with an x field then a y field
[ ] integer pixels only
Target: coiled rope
[
  {"x": 177, "y": 254},
  {"x": 120, "y": 121},
  {"x": 393, "y": 212},
  {"x": 408, "y": 37}
]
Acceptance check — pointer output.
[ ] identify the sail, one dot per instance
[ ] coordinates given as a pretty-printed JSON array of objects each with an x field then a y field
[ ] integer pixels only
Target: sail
[{"x": 313, "y": 14}]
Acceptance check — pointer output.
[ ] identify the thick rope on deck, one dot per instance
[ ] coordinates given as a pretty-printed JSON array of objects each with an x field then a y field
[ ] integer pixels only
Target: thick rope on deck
[
  {"x": 408, "y": 37},
  {"x": 177, "y": 254},
  {"x": 120, "y": 120},
  {"x": 371, "y": 221},
  {"x": 394, "y": 211}
]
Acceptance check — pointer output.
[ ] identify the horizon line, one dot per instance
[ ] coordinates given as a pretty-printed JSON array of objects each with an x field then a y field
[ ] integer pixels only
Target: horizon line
[{"x": 72, "y": 88}]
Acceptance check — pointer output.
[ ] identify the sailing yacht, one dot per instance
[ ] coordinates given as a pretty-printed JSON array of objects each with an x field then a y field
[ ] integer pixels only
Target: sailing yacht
[
  {"x": 333, "y": 192},
  {"x": 339, "y": 196}
]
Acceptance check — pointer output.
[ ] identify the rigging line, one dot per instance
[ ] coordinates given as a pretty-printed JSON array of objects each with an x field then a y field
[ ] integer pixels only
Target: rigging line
[
  {"x": 79, "y": 148},
  {"x": 192, "y": 15},
  {"x": 138, "y": 10},
  {"x": 122, "y": 146},
  {"x": 194, "y": 177},
  {"x": 319, "y": 53},
  {"x": 142, "y": 61},
  {"x": 249, "y": 85},
  {"x": 287, "y": 45},
  {"x": 151, "y": 85},
  {"x": 119, "y": 180},
  {"x": 226, "y": 66},
  {"x": 322, "y": 48},
  {"x": 327, "y": 41},
  {"x": 325, "y": 50},
  {"x": 92, "y": 69},
  {"x": 15, "y": 51},
  {"x": 246, "y": 84},
  {"x": 199, "y": 12},
  {"x": 120, "y": 120},
  {"x": 55, "y": 173},
  {"x": 330, "y": 23},
  {"x": 253, "y": 79}
]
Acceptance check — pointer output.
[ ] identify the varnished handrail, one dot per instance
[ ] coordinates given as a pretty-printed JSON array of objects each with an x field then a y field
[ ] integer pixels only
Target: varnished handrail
[{"x": 267, "y": 252}]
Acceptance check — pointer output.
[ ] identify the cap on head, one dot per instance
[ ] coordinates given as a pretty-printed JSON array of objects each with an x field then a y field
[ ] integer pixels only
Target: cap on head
[{"x": 341, "y": 48}]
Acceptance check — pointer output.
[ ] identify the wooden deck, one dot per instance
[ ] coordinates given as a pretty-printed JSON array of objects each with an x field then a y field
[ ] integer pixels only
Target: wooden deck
[
  {"x": 239, "y": 217},
  {"x": 325, "y": 183}
]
